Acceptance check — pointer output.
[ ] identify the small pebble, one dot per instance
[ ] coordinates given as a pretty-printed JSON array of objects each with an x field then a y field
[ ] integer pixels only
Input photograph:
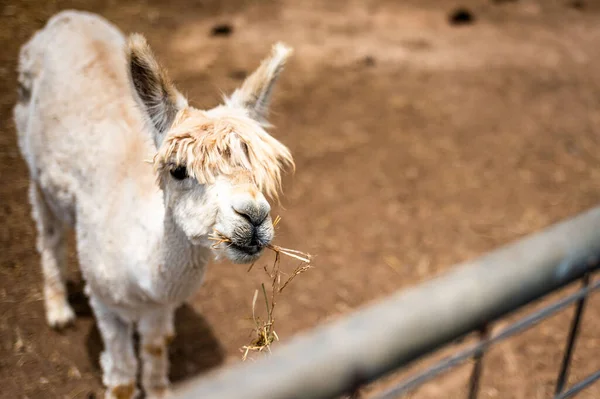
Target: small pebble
[
  {"x": 461, "y": 16},
  {"x": 238, "y": 74},
  {"x": 577, "y": 4},
  {"x": 369, "y": 61},
  {"x": 222, "y": 30}
]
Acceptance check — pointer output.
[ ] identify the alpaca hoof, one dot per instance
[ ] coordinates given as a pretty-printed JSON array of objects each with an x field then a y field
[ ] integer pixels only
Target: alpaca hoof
[
  {"x": 127, "y": 391},
  {"x": 158, "y": 393},
  {"x": 60, "y": 316}
]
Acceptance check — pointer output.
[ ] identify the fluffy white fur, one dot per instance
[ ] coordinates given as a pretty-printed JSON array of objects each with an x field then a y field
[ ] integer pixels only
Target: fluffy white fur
[{"x": 115, "y": 152}]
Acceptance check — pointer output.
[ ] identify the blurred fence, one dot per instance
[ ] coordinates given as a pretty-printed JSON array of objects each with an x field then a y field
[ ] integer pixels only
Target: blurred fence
[{"x": 341, "y": 356}]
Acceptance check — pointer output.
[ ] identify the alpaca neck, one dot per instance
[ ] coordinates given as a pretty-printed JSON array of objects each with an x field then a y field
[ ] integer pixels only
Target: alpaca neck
[{"x": 181, "y": 269}]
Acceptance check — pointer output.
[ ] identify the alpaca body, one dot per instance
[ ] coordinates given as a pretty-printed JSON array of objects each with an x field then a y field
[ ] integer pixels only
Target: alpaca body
[
  {"x": 87, "y": 135},
  {"x": 87, "y": 149}
]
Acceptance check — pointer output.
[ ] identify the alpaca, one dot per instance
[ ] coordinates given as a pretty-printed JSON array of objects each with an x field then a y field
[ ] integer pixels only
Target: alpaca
[{"x": 115, "y": 152}]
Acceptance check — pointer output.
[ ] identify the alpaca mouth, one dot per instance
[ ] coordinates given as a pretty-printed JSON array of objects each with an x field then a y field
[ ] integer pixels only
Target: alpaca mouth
[
  {"x": 236, "y": 251},
  {"x": 243, "y": 254},
  {"x": 247, "y": 249}
]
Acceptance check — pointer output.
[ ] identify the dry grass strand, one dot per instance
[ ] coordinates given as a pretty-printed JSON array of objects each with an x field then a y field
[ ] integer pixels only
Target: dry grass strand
[{"x": 264, "y": 332}]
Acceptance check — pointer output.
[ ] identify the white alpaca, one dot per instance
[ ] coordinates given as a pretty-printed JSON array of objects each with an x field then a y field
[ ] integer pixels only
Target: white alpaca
[{"x": 115, "y": 152}]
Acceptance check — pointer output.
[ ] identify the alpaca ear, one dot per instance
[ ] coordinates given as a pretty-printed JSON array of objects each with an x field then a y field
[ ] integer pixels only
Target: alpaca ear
[
  {"x": 158, "y": 96},
  {"x": 255, "y": 93}
]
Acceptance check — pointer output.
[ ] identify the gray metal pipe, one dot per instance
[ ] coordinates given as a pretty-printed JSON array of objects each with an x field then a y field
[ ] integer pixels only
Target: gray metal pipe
[{"x": 385, "y": 336}]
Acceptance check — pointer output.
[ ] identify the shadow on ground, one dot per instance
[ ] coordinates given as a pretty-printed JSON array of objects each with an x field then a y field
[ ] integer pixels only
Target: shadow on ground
[{"x": 195, "y": 349}]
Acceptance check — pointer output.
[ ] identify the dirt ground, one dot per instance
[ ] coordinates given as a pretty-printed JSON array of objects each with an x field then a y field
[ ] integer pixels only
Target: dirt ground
[{"x": 418, "y": 144}]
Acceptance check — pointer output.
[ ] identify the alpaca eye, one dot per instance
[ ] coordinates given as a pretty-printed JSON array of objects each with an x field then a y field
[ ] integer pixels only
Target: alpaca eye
[{"x": 179, "y": 173}]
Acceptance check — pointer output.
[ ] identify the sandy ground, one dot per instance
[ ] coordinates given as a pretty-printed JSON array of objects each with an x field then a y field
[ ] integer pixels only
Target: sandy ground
[{"x": 418, "y": 144}]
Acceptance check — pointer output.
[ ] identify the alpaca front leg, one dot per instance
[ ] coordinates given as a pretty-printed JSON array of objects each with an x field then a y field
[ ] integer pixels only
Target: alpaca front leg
[
  {"x": 118, "y": 361},
  {"x": 156, "y": 332},
  {"x": 51, "y": 246}
]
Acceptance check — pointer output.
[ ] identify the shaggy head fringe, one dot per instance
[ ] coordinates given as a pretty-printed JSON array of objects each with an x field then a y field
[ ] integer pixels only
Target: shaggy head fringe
[{"x": 211, "y": 146}]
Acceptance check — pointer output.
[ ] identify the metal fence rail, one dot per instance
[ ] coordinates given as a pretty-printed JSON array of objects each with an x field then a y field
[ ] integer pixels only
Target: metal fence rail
[
  {"x": 340, "y": 356},
  {"x": 476, "y": 351}
]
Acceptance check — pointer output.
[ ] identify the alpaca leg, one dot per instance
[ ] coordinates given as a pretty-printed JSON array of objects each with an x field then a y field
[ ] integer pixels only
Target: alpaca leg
[
  {"x": 156, "y": 331},
  {"x": 118, "y": 361},
  {"x": 51, "y": 245}
]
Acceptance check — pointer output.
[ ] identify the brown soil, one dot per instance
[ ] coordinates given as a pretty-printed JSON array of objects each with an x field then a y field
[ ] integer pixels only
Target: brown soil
[{"x": 418, "y": 143}]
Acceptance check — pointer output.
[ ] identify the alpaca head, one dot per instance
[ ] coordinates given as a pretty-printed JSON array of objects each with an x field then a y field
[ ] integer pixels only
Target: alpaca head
[{"x": 217, "y": 167}]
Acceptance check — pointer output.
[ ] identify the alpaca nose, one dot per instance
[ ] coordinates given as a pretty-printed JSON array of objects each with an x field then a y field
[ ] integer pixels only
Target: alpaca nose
[{"x": 254, "y": 209}]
